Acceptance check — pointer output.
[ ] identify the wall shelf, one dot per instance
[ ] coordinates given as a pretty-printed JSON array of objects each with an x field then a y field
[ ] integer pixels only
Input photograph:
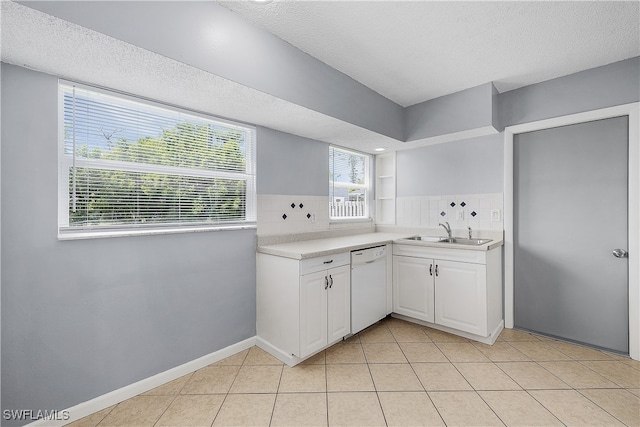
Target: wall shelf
[{"x": 386, "y": 189}]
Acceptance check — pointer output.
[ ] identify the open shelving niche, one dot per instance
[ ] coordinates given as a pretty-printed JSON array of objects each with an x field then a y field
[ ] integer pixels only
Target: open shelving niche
[{"x": 386, "y": 188}]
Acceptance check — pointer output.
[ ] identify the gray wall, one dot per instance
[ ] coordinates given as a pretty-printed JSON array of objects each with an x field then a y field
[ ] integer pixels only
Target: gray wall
[
  {"x": 465, "y": 110},
  {"x": 601, "y": 87},
  {"x": 82, "y": 318},
  {"x": 291, "y": 165},
  {"x": 256, "y": 58},
  {"x": 469, "y": 166}
]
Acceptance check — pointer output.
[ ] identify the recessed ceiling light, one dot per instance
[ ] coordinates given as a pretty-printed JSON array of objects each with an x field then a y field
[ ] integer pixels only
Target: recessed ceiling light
[{"x": 379, "y": 149}]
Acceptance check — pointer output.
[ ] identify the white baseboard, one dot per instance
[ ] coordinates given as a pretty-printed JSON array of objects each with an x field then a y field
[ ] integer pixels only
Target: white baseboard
[{"x": 127, "y": 392}]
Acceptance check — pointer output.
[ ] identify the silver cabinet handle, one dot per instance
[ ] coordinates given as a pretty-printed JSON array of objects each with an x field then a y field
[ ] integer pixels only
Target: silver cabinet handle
[
  {"x": 620, "y": 253},
  {"x": 436, "y": 270},
  {"x": 326, "y": 282},
  {"x": 328, "y": 262},
  {"x": 331, "y": 283},
  {"x": 430, "y": 269}
]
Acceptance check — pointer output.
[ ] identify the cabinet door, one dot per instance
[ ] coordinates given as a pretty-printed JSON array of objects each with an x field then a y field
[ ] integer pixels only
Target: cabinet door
[
  {"x": 461, "y": 296},
  {"x": 339, "y": 303},
  {"x": 313, "y": 312},
  {"x": 413, "y": 287}
]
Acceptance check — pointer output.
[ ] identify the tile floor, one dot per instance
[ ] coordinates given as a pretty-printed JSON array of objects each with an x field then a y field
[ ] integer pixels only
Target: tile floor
[{"x": 396, "y": 373}]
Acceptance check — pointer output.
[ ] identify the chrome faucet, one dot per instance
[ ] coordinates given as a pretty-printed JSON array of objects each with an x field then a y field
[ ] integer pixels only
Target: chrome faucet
[{"x": 447, "y": 227}]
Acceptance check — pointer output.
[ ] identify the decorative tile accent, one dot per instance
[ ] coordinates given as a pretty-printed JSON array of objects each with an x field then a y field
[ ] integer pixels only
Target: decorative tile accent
[
  {"x": 463, "y": 204},
  {"x": 301, "y": 205},
  {"x": 443, "y": 213},
  {"x": 284, "y": 216},
  {"x": 452, "y": 204},
  {"x": 308, "y": 216},
  {"x": 293, "y": 205},
  {"x": 473, "y": 213}
]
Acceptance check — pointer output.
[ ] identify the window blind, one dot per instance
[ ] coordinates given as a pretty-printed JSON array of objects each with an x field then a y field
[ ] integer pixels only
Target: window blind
[
  {"x": 129, "y": 163},
  {"x": 348, "y": 184}
]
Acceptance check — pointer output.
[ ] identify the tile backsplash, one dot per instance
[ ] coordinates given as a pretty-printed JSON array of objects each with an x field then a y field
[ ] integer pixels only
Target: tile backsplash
[
  {"x": 478, "y": 211},
  {"x": 279, "y": 214}
]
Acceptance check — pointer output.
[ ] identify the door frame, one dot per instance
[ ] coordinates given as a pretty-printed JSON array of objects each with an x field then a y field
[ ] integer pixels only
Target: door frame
[{"x": 632, "y": 111}]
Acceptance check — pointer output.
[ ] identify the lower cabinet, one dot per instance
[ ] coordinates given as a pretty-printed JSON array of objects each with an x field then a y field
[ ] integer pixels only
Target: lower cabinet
[
  {"x": 325, "y": 308},
  {"x": 302, "y": 306},
  {"x": 455, "y": 288}
]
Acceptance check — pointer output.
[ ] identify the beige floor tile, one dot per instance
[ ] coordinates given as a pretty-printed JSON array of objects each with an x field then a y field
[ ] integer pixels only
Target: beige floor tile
[
  {"x": 518, "y": 408},
  {"x": 501, "y": 351},
  {"x": 383, "y": 353},
  {"x": 406, "y": 332},
  {"x": 422, "y": 352},
  {"x": 303, "y": 378},
  {"x": 409, "y": 409},
  {"x": 376, "y": 333},
  {"x": 621, "y": 404},
  {"x": 354, "y": 409},
  {"x": 257, "y": 379},
  {"x": 439, "y": 336},
  {"x": 246, "y": 410},
  {"x": 236, "y": 359},
  {"x": 353, "y": 377},
  {"x": 577, "y": 375},
  {"x": 192, "y": 410},
  {"x": 486, "y": 376},
  {"x": 93, "y": 419},
  {"x": 305, "y": 409},
  {"x": 171, "y": 388},
  {"x": 573, "y": 409},
  {"x": 635, "y": 391},
  {"x": 395, "y": 377},
  {"x": 139, "y": 411},
  {"x": 353, "y": 339},
  {"x": 515, "y": 335},
  {"x": 618, "y": 372},
  {"x": 345, "y": 353},
  {"x": 539, "y": 351},
  {"x": 530, "y": 376},
  {"x": 258, "y": 356},
  {"x": 316, "y": 359},
  {"x": 464, "y": 408},
  {"x": 461, "y": 352},
  {"x": 633, "y": 363},
  {"x": 440, "y": 377},
  {"x": 578, "y": 352},
  {"x": 211, "y": 380}
]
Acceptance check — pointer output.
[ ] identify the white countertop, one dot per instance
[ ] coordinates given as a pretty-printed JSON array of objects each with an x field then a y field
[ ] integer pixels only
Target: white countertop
[{"x": 322, "y": 247}]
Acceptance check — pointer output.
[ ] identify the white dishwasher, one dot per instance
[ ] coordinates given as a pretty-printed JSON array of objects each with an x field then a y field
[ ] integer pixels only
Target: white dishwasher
[{"x": 368, "y": 287}]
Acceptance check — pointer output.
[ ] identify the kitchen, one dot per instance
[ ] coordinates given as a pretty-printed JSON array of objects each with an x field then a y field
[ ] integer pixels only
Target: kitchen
[{"x": 65, "y": 342}]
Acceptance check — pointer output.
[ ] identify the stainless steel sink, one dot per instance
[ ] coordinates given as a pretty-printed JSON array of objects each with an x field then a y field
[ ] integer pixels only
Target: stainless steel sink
[
  {"x": 463, "y": 241},
  {"x": 425, "y": 238},
  {"x": 453, "y": 240}
]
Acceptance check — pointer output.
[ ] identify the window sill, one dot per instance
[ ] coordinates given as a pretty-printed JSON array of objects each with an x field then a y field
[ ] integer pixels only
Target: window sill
[
  {"x": 83, "y": 235},
  {"x": 348, "y": 220}
]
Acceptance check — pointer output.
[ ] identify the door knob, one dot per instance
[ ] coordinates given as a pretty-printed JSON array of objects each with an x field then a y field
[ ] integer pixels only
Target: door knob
[{"x": 620, "y": 253}]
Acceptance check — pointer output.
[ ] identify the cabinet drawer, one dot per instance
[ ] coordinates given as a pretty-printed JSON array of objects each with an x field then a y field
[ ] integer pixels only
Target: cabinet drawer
[{"x": 313, "y": 265}]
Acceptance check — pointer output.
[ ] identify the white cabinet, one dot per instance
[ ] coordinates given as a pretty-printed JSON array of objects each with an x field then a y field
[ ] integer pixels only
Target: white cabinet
[
  {"x": 325, "y": 314},
  {"x": 413, "y": 287},
  {"x": 460, "y": 296},
  {"x": 302, "y": 306},
  {"x": 457, "y": 289}
]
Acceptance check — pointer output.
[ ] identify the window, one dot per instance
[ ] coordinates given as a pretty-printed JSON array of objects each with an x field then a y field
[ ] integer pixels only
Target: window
[
  {"x": 348, "y": 184},
  {"x": 128, "y": 164}
]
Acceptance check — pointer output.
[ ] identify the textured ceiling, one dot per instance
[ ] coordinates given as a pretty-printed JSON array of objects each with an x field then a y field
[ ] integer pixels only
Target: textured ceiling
[{"x": 413, "y": 51}]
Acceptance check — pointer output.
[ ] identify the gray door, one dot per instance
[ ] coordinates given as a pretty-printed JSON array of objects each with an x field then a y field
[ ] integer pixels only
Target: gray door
[{"x": 570, "y": 213}]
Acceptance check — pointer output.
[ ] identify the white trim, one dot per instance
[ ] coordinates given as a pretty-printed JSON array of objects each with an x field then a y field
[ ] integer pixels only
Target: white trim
[
  {"x": 112, "y": 398},
  {"x": 630, "y": 110},
  {"x": 489, "y": 340}
]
